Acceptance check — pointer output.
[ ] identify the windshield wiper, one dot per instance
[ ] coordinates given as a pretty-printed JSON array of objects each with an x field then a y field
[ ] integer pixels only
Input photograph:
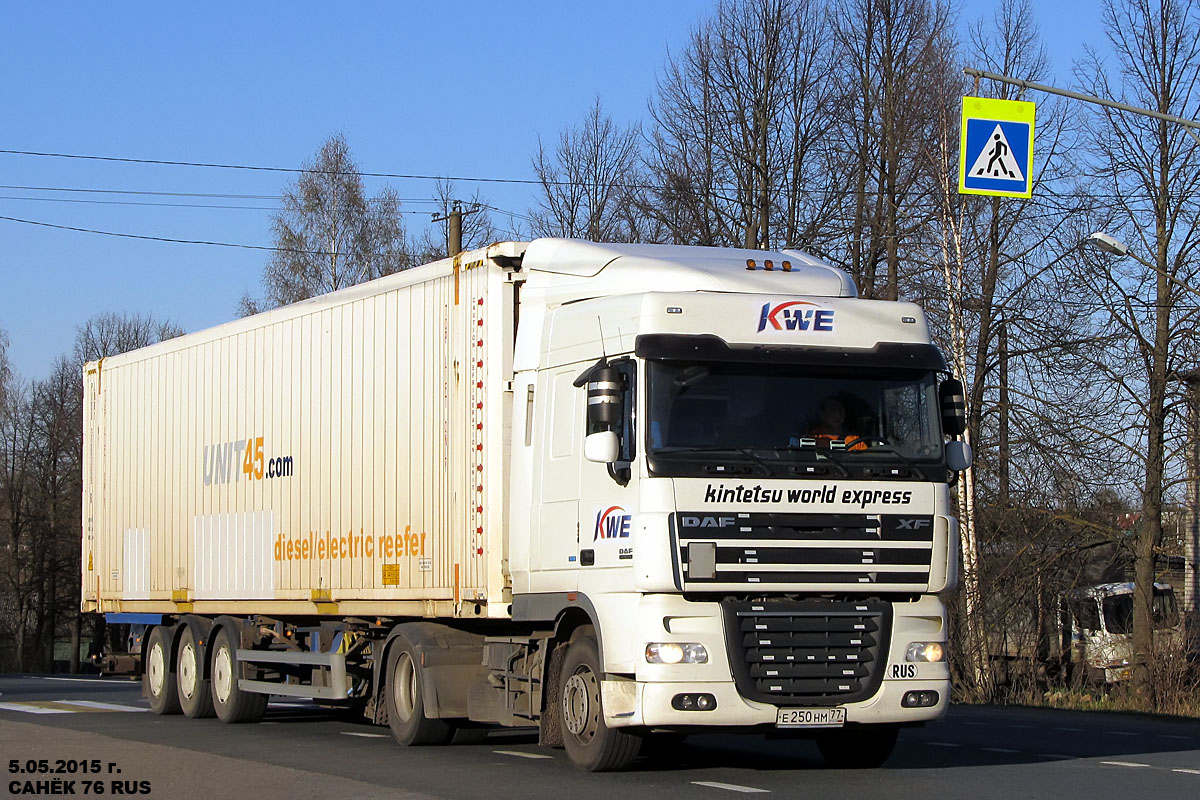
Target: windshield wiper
[
  {"x": 883, "y": 447},
  {"x": 746, "y": 451},
  {"x": 871, "y": 445}
]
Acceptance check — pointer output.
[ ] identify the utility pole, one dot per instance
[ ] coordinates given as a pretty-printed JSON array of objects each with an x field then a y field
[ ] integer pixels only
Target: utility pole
[
  {"x": 454, "y": 244},
  {"x": 1004, "y": 441}
]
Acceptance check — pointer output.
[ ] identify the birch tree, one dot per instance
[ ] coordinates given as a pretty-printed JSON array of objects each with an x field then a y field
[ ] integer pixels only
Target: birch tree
[
  {"x": 1149, "y": 168},
  {"x": 329, "y": 234}
]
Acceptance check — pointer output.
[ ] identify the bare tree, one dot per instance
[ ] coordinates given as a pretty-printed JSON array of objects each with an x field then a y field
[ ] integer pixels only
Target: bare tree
[
  {"x": 589, "y": 181},
  {"x": 740, "y": 117},
  {"x": 5, "y": 371},
  {"x": 1148, "y": 167},
  {"x": 110, "y": 333},
  {"x": 329, "y": 234},
  {"x": 891, "y": 67}
]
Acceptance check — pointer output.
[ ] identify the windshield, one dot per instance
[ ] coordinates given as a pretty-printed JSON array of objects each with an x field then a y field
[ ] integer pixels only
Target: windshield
[
  {"x": 770, "y": 415},
  {"x": 1118, "y": 611}
]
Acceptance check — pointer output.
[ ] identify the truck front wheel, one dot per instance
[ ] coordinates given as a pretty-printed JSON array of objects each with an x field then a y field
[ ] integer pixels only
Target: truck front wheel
[
  {"x": 231, "y": 702},
  {"x": 590, "y": 743},
  {"x": 158, "y": 679},
  {"x": 405, "y": 699},
  {"x": 862, "y": 747},
  {"x": 195, "y": 698}
]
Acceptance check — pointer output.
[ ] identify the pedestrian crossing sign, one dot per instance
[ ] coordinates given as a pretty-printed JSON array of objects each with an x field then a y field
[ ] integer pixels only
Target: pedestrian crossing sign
[{"x": 995, "y": 155}]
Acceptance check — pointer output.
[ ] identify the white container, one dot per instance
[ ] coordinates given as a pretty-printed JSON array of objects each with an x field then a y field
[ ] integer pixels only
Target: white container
[{"x": 343, "y": 455}]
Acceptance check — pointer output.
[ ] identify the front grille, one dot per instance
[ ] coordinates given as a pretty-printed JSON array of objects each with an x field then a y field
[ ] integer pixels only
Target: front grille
[
  {"x": 807, "y": 652},
  {"x": 798, "y": 552}
]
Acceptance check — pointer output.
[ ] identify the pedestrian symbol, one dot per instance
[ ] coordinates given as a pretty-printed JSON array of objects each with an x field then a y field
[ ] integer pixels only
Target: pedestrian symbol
[{"x": 996, "y": 155}]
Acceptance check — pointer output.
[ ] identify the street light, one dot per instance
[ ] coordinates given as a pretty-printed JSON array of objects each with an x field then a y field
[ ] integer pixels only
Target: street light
[
  {"x": 1107, "y": 244},
  {"x": 1102, "y": 241}
]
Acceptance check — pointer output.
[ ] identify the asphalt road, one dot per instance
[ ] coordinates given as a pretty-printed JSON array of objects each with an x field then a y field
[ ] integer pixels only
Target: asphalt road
[{"x": 300, "y": 751}]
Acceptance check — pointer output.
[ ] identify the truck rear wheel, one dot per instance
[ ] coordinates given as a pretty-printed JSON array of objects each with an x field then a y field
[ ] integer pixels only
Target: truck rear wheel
[
  {"x": 195, "y": 697},
  {"x": 230, "y": 701},
  {"x": 158, "y": 679},
  {"x": 861, "y": 747},
  {"x": 405, "y": 699},
  {"x": 590, "y": 743}
]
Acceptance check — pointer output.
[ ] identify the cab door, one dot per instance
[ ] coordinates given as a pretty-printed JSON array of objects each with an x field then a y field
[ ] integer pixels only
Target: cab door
[{"x": 558, "y": 446}]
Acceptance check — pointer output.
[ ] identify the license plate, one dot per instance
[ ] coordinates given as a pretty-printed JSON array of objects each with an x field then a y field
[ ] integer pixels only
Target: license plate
[{"x": 810, "y": 718}]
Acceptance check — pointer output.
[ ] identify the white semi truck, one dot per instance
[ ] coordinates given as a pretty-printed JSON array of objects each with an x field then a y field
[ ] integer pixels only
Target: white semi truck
[{"x": 597, "y": 489}]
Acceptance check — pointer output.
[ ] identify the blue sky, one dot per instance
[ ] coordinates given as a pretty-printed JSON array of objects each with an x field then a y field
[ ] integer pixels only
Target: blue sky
[{"x": 458, "y": 88}]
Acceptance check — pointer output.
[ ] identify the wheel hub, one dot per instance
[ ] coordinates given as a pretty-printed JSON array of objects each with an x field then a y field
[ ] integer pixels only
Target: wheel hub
[
  {"x": 222, "y": 677},
  {"x": 580, "y": 704},
  {"x": 404, "y": 687},
  {"x": 187, "y": 670},
  {"x": 156, "y": 670}
]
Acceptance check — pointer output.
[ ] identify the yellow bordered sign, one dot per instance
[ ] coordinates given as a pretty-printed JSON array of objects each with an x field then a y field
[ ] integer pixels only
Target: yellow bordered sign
[{"x": 995, "y": 155}]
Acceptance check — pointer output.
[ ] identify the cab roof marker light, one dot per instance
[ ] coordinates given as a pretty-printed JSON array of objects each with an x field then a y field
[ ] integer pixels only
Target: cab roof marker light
[
  {"x": 769, "y": 265},
  {"x": 750, "y": 264},
  {"x": 787, "y": 266}
]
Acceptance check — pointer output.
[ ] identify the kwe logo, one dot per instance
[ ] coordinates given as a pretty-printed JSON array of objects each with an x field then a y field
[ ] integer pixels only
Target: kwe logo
[
  {"x": 792, "y": 316},
  {"x": 612, "y": 523}
]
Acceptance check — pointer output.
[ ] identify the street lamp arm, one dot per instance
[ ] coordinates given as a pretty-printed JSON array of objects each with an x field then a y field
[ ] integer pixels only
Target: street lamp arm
[{"x": 1191, "y": 126}]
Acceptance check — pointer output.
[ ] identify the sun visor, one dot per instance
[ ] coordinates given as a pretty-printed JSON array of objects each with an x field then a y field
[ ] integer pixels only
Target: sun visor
[{"x": 706, "y": 347}]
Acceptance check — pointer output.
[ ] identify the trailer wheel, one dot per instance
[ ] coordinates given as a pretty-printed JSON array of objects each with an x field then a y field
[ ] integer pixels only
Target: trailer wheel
[
  {"x": 195, "y": 697},
  {"x": 590, "y": 743},
  {"x": 230, "y": 701},
  {"x": 158, "y": 679},
  {"x": 405, "y": 700},
  {"x": 862, "y": 747}
]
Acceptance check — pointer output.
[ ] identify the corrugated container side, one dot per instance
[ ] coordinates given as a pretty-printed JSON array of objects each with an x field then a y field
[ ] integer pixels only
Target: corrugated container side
[{"x": 344, "y": 455}]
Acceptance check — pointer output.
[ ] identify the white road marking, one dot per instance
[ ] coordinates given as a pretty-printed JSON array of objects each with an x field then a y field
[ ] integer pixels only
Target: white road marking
[
  {"x": 1121, "y": 733},
  {"x": 944, "y": 744},
  {"x": 1187, "y": 771},
  {"x": 519, "y": 754},
  {"x": 28, "y": 709},
  {"x": 84, "y": 680},
  {"x": 732, "y": 787},
  {"x": 999, "y": 750},
  {"x": 1070, "y": 730},
  {"x": 1172, "y": 736},
  {"x": 1022, "y": 727},
  {"x": 1124, "y": 764},
  {"x": 100, "y": 706},
  {"x": 366, "y": 735},
  {"x": 277, "y": 704},
  {"x": 1058, "y": 756}
]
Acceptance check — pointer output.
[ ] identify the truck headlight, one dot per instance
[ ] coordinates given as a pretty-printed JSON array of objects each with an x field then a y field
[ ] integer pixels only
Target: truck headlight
[
  {"x": 676, "y": 653},
  {"x": 925, "y": 651}
]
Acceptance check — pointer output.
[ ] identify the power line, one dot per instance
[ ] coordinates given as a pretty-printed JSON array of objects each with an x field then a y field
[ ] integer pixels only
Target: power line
[
  {"x": 164, "y": 238},
  {"x": 150, "y": 193},
  {"x": 259, "y": 168},
  {"x": 161, "y": 205}
]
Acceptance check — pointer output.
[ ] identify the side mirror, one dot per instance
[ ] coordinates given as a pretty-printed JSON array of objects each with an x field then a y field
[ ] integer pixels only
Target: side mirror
[
  {"x": 602, "y": 447},
  {"x": 604, "y": 397},
  {"x": 953, "y": 401},
  {"x": 958, "y": 455}
]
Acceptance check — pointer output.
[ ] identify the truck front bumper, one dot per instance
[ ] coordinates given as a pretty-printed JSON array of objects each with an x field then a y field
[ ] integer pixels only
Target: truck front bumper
[{"x": 646, "y": 699}]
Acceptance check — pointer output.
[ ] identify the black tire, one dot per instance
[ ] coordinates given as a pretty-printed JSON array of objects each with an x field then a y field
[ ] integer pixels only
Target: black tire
[
  {"x": 590, "y": 743},
  {"x": 861, "y": 747},
  {"x": 195, "y": 697},
  {"x": 158, "y": 677},
  {"x": 230, "y": 701},
  {"x": 405, "y": 699}
]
